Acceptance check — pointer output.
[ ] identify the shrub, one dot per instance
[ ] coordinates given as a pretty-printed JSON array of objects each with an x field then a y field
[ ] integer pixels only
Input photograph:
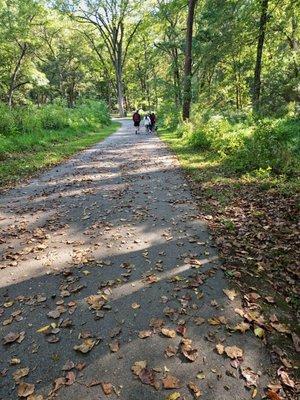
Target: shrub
[
  {"x": 7, "y": 121},
  {"x": 274, "y": 145},
  {"x": 54, "y": 116}
]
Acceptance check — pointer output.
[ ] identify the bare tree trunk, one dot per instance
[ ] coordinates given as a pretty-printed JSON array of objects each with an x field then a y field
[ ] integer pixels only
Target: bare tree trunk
[
  {"x": 259, "y": 54},
  {"x": 187, "y": 83}
]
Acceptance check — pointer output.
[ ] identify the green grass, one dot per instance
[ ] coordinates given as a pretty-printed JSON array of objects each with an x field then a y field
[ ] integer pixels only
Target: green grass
[
  {"x": 211, "y": 169},
  {"x": 23, "y": 155}
]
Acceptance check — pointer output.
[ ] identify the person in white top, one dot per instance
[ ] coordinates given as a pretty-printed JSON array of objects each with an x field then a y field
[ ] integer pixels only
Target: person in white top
[{"x": 147, "y": 123}]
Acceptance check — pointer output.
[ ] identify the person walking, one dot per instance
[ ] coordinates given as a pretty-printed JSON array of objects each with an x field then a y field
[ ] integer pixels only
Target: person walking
[
  {"x": 136, "y": 121},
  {"x": 153, "y": 121},
  {"x": 147, "y": 123}
]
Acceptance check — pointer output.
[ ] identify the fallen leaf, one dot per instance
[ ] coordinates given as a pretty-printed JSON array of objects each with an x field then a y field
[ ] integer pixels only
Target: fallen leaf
[
  {"x": 20, "y": 373},
  {"x": 70, "y": 378},
  {"x": 170, "y": 351},
  {"x": 220, "y": 348},
  {"x": 144, "y": 334},
  {"x": 250, "y": 376},
  {"x": 114, "y": 346},
  {"x": 186, "y": 349},
  {"x": 200, "y": 375},
  {"x": 168, "y": 332},
  {"x": 86, "y": 346},
  {"x": 96, "y": 301},
  {"x": 194, "y": 389},
  {"x": 68, "y": 366},
  {"x": 147, "y": 377},
  {"x": 273, "y": 395},
  {"x": 54, "y": 314},
  {"x": 135, "y": 306},
  {"x": 233, "y": 352},
  {"x": 286, "y": 380},
  {"x": 171, "y": 382},
  {"x": 282, "y": 328},
  {"x": 181, "y": 330},
  {"x": 173, "y": 396},
  {"x": 107, "y": 388},
  {"x": 296, "y": 341},
  {"x": 259, "y": 332},
  {"x": 11, "y": 337},
  {"x": 44, "y": 329},
  {"x": 199, "y": 320},
  {"x": 25, "y": 389},
  {"x": 138, "y": 366},
  {"x": 242, "y": 327},
  {"x": 58, "y": 383},
  {"x": 231, "y": 294}
]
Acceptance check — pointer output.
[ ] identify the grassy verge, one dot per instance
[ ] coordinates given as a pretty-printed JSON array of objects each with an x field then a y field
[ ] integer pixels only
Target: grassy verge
[
  {"x": 47, "y": 148},
  {"x": 253, "y": 219}
]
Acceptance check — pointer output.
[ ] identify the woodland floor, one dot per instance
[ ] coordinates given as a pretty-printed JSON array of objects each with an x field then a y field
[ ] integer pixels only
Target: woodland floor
[{"x": 111, "y": 287}]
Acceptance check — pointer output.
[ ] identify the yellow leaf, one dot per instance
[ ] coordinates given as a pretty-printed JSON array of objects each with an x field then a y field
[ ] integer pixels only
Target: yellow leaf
[
  {"x": 43, "y": 329},
  {"x": 173, "y": 396},
  {"x": 259, "y": 332}
]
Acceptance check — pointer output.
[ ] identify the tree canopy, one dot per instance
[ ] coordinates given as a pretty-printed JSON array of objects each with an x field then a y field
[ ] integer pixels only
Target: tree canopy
[{"x": 244, "y": 55}]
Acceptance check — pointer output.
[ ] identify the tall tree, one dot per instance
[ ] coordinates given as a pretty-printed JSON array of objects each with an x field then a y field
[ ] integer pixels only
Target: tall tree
[
  {"x": 187, "y": 82},
  {"x": 111, "y": 18},
  {"x": 259, "y": 54}
]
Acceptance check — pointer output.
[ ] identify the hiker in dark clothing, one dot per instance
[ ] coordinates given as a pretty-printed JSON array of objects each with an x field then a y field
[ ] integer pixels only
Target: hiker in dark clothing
[
  {"x": 153, "y": 121},
  {"x": 136, "y": 121}
]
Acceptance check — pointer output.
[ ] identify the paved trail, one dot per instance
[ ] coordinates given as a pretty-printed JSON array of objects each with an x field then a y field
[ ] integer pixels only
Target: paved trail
[{"x": 107, "y": 243}]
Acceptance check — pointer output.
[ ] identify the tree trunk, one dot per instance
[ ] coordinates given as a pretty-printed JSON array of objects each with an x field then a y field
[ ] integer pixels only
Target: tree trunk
[
  {"x": 259, "y": 54},
  {"x": 187, "y": 83},
  {"x": 120, "y": 94},
  {"x": 13, "y": 79}
]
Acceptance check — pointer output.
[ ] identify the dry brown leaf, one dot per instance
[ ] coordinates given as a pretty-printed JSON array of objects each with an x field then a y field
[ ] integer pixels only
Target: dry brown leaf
[
  {"x": 138, "y": 366},
  {"x": 199, "y": 320},
  {"x": 147, "y": 376},
  {"x": 135, "y": 306},
  {"x": 168, "y": 332},
  {"x": 86, "y": 346},
  {"x": 273, "y": 395},
  {"x": 285, "y": 379},
  {"x": 35, "y": 397},
  {"x": 282, "y": 328},
  {"x": 144, "y": 334},
  {"x": 96, "y": 301},
  {"x": 171, "y": 382},
  {"x": 194, "y": 389},
  {"x": 250, "y": 376},
  {"x": 220, "y": 348},
  {"x": 20, "y": 373},
  {"x": 114, "y": 346},
  {"x": 107, "y": 388},
  {"x": 25, "y": 389},
  {"x": 233, "y": 352},
  {"x": 231, "y": 294},
  {"x": 70, "y": 378},
  {"x": 186, "y": 349},
  {"x": 11, "y": 337},
  {"x": 242, "y": 327},
  {"x": 170, "y": 351},
  {"x": 59, "y": 383}
]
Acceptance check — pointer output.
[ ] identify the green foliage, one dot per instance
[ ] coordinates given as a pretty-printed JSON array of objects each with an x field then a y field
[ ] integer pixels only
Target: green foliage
[
  {"x": 268, "y": 147},
  {"x": 274, "y": 147},
  {"x": 29, "y": 128}
]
